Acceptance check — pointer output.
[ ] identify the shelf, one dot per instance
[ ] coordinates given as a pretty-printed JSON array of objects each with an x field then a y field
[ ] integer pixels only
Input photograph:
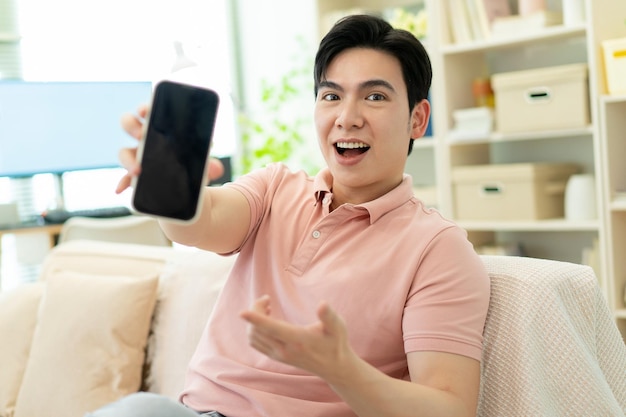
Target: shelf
[
  {"x": 550, "y": 225},
  {"x": 547, "y": 34},
  {"x": 618, "y": 204},
  {"x": 620, "y": 314},
  {"x": 613, "y": 99},
  {"x": 525, "y": 136}
]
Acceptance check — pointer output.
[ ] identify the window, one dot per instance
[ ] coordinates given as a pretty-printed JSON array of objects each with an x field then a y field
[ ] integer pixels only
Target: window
[
  {"x": 120, "y": 40},
  {"x": 107, "y": 40}
]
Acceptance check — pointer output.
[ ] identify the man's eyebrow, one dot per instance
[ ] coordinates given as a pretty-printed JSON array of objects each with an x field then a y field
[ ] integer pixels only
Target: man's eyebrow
[
  {"x": 364, "y": 85},
  {"x": 377, "y": 83},
  {"x": 331, "y": 85}
]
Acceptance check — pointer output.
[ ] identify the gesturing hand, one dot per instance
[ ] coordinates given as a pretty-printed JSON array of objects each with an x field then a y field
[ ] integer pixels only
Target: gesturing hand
[{"x": 320, "y": 348}]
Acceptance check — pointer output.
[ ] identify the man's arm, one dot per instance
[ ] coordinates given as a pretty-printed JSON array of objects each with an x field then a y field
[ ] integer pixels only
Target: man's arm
[
  {"x": 441, "y": 384},
  {"x": 222, "y": 225}
]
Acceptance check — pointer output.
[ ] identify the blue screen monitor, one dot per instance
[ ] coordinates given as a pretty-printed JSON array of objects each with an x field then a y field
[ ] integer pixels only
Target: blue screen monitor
[{"x": 55, "y": 127}]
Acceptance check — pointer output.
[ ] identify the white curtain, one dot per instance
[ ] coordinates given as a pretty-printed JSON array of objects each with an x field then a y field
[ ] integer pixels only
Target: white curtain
[{"x": 9, "y": 40}]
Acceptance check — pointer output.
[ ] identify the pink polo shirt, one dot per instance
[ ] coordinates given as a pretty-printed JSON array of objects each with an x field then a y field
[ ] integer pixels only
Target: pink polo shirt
[{"x": 402, "y": 277}]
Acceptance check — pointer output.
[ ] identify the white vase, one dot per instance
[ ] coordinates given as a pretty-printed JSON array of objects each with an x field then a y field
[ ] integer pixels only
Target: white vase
[
  {"x": 580, "y": 197},
  {"x": 573, "y": 12}
]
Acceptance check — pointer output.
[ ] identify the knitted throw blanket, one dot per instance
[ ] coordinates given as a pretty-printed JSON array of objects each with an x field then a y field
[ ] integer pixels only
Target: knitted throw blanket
[{"x": 551, "y": 346}]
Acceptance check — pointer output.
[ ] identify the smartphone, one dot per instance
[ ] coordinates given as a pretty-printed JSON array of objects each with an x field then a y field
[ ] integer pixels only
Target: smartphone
[{"x": 174, "y": 151}]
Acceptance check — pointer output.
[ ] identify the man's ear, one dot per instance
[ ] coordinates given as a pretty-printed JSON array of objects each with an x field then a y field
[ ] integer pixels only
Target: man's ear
[{"x": 419, "y": 119}]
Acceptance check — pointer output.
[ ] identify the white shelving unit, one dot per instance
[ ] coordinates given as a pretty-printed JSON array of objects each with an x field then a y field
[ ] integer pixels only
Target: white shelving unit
[
  {"x": 598, "y": 149},
  {"x": 613, "y": 121}
]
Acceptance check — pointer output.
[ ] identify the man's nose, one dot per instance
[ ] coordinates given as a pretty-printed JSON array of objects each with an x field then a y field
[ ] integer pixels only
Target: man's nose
[{"x": 350, "y": 115}]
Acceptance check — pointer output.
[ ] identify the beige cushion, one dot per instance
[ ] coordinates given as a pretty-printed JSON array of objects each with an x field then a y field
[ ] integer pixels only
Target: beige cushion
[
  {"x": 89, "y": 340},
  {"x": 18, "y": 316}
]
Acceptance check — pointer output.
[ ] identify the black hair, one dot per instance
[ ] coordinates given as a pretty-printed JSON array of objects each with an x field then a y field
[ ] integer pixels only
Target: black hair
[{"x": 366, "y": 31}]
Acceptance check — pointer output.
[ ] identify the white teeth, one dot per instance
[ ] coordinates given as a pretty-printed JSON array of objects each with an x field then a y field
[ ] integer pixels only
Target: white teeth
[{"x": 351, "y": 145}]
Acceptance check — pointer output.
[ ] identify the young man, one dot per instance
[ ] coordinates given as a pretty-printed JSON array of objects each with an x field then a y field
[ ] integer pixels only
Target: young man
[{"x": 348, "y": 297}]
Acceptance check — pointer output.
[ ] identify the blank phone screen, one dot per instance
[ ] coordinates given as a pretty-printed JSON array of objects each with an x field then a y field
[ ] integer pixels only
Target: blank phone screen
[{"x": 175, "y": 150}]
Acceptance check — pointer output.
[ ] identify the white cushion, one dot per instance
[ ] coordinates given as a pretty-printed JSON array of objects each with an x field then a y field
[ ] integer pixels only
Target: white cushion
[{"x": 190, "y": 285}]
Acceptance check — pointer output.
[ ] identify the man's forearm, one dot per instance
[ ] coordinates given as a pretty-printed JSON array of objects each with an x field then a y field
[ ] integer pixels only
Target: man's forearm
[{"x": 371, "y": 393}]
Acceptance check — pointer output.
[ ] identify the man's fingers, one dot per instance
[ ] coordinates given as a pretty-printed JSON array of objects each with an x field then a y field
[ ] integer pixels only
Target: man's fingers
[
  {"x": 216, "y": 169},
  {"x": 265, "y": 333},
  {"x": 264, "y": 326},
  {"x": 142, "y": 110},
  {"x": 128, "y": 159},
  {"x": 266, "y": 344},
  {"x": 123, "y": 184},
  {"x": 262, "y": 305},
  {"x": 132, "y": 125}
]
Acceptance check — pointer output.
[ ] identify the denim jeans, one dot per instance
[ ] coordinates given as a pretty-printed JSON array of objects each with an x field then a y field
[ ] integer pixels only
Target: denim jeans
[{"x": 145, "y": 404}]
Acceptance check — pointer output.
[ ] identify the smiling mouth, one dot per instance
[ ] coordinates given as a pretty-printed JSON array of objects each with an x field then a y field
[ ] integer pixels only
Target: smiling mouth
[{"x": 348, "y": 149}]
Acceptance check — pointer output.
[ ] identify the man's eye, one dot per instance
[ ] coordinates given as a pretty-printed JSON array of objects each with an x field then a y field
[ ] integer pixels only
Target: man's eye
[
  {"x": 376, "y": 97},
  {"x": 330, "y": 97}
]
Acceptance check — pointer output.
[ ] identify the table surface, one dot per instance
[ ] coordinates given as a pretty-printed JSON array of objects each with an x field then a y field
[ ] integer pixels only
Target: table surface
[{"x": 35, "y": 226}]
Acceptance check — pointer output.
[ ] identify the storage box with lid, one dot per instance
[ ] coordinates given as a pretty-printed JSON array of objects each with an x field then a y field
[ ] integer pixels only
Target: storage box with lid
[
  {"x": 542, "y": 99},
  {"x": 523, "y": 191}
]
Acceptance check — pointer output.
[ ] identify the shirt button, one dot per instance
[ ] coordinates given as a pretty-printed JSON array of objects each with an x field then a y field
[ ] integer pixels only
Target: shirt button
[{"x": 316, "y": 234}]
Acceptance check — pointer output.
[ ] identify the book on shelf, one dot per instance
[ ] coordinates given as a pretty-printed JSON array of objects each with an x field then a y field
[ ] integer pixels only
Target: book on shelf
[
  {"x": 471, "y": 20},
  {"x": 496, "y": 8},
  {"x": 483, "y": 20},
  {"x": 516, "y": 24},
  {"x": 484, "y": 12},
  {"x": 459, "y": 22},
  {"x": 480, "y": 30}
]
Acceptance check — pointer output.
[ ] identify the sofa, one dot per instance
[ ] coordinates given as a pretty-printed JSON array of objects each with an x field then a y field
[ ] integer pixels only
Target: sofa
[{"x": 106, "y": 319}]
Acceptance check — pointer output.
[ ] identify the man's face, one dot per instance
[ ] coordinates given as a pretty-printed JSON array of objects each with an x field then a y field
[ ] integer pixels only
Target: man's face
[{"x": 363, "y": 122}]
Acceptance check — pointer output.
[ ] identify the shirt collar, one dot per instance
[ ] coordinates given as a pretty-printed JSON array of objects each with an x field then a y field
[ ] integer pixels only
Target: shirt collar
[{"x": 377, "y": 208}]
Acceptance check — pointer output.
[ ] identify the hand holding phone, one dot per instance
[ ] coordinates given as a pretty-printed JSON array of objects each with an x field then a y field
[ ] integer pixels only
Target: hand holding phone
[{"x": 174, "y": 151}]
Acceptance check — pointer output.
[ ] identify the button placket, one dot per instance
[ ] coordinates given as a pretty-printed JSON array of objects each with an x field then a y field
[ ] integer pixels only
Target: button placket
[{"x": 310, "y": 246}]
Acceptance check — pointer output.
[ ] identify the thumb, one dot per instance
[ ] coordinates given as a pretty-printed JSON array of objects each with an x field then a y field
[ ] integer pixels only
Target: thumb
[{"x": 331, "y": 321}]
